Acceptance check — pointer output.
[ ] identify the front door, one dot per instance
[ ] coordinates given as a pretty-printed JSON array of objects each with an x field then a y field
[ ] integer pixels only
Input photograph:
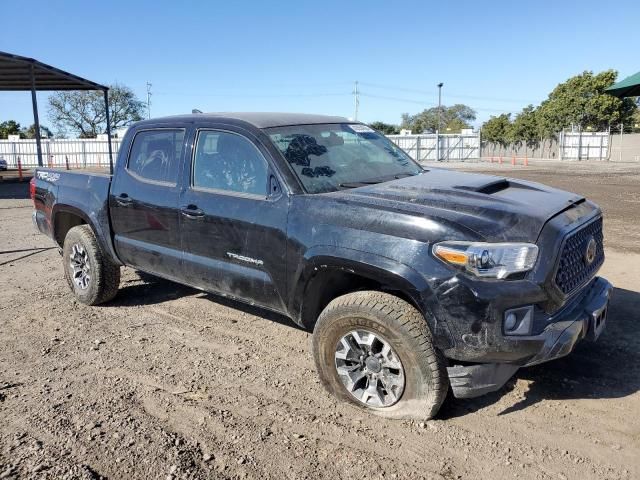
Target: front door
[
  {"x": 143, "y": 203},
  {"x": 233, "y": 219}
]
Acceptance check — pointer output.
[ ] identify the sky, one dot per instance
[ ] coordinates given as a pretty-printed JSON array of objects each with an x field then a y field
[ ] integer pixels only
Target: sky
[{"x": 495, "y": 56}]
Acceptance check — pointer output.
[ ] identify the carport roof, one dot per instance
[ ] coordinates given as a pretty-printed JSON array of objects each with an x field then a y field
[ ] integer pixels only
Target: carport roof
[
  {"x": 629, "y": 87},
  {"x": 15, "y": 75}
]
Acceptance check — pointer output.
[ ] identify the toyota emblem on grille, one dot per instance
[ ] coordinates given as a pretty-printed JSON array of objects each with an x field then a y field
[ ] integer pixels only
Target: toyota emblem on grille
[{"x": 590, "y": 251}]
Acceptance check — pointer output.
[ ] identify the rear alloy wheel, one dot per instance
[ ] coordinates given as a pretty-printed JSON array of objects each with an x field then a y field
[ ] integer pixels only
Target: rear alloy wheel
[
  {"x": 92, "y": 277},
  {"x": 80, "y": 266},
  {"x": 375, "y": 350}
]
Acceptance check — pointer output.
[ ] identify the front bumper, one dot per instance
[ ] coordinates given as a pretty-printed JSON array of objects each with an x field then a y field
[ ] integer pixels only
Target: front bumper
[{"x": 584, "y": 317}]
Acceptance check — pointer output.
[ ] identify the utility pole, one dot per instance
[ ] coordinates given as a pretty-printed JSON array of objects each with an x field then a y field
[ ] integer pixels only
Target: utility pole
[
  {"x": 356, "y": 100},
  {"x": 148, "y": 100},
  {"x": 439, "y": 121},
  {"x": 439, "y": 105}
]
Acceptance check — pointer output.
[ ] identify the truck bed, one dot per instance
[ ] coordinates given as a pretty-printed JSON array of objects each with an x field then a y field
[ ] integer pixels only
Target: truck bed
[{"x": 85, "y": 194}]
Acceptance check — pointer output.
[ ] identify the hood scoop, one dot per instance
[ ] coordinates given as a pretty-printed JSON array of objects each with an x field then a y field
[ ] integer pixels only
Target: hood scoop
[
  {"x": 497, "y": 186},
  {"x": 488, "y": 188}
]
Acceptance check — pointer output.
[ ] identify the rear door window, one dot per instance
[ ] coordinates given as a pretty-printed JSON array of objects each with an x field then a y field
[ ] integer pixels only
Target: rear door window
[{"x": 155, "y": 155}]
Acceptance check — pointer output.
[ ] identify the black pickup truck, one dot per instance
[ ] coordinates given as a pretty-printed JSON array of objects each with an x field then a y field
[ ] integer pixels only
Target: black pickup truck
[{"x": 411, "y": 279}]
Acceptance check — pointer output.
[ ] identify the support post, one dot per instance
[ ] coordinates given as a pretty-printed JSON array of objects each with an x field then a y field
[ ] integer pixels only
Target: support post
[
  {"x": 621, "y": 137},
  {"x": 560, "y": 144},
  {"x": 579, "y": 141},
  {"x": 600, "y": 151},
  {"x": 36, "y": 120},
  {"x": 106, "y": 107}
]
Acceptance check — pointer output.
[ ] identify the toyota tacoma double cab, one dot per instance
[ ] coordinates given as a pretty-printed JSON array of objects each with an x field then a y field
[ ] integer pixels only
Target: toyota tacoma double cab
[{"x": 413, "y": 280}]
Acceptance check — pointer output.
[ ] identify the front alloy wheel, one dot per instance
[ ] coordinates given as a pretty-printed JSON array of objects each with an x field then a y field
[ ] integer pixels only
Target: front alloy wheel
[
  {"x": 375, "y": 350},
  {"x": 369, "y": 369}
]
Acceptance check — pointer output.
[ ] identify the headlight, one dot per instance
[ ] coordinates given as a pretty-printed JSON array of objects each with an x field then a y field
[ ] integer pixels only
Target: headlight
[{"x": 495, "y": 260}]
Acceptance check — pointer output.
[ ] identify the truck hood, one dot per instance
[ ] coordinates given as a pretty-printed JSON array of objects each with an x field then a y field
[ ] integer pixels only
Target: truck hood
[{"x": 495, "y": 208}]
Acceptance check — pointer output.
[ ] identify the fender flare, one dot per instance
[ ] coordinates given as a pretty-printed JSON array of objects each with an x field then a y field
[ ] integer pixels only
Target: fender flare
[
  {"x": 392, "y": 274},
  {"x": 106, "y": 246}
]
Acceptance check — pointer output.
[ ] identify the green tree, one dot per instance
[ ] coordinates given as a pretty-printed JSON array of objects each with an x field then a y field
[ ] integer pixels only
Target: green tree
[
  {"x": 524, "y": 128},
  {"x": 581, "y": 101},
  {"x": 497, "y": 129},
  {"x": 385, "y": 128},
  {"x": 455, "y": 125},
  {"x": 31, "y": 132},
  {"x": 635, "y": 120},
  {"x": 455, "y": 118},
  {"x": 9, "y": 127},
  {"x": 83, "y": 113}
]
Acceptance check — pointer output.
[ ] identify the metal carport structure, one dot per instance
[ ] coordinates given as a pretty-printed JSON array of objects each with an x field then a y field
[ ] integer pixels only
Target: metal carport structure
[{"x": 27, "y": 74}]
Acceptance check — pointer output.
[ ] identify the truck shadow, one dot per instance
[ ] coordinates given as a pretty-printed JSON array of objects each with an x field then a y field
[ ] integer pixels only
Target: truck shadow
[
  {"x": 14, "y": 190},
  {"x": 609, "y": 368},
  {"x": 155, "y": 290}
]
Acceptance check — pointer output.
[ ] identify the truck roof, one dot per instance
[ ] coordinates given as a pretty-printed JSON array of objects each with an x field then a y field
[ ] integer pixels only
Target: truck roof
[{"x": 257, "y": 119}]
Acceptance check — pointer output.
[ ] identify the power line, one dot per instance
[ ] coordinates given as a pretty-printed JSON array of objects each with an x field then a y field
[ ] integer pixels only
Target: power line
[
  {"x": 356, "y": 93},
  {"x": 427, "y": 92},
  {"x": 249, "y": 95},
  {"x": 423, "y": 102}
]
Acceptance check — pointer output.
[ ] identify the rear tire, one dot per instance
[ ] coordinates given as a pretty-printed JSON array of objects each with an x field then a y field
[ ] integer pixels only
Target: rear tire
[
  {"x": 391, "y": 325},
  {"x": 92, "y": 277}
]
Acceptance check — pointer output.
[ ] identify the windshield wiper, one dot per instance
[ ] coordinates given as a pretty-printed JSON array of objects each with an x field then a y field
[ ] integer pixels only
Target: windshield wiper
[
  {"x": 358, "y": 184},
  {"x": 373, "y": 181}
]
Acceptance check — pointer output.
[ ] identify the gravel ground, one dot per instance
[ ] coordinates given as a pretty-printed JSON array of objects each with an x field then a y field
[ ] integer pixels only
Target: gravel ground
[{"x": 170, "y": 382}]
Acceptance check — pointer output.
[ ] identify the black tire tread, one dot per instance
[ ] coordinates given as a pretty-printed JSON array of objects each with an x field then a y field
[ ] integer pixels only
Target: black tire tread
[
  {"x": 108, "y": 278},
  {"x": 405, "y": 316}
]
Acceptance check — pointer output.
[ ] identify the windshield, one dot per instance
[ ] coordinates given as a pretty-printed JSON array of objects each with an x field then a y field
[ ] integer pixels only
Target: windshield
[{"x": 335, "y": 156}]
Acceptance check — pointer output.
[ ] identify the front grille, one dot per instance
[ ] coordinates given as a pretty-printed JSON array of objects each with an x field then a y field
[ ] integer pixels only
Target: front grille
[{"x": 573, "y": 270}]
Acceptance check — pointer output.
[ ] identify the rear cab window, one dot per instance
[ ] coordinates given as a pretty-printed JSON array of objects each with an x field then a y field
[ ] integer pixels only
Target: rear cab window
[{"x": 155, "y": 155}]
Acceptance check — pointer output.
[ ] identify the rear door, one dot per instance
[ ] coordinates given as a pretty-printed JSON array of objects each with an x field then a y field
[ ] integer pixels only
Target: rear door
[
  {"x": 233, "y": 218},
  {"x": 143, "y": 202}
]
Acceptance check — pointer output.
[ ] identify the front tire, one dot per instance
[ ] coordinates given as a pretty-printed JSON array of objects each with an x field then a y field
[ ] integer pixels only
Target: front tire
[
  {"x": 92, "y": 277},
  {"x": 375, "y": 350}
]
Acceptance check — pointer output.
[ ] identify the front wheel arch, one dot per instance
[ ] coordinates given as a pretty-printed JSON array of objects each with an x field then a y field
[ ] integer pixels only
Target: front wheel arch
[
  {"x": 331, "y": 281},
  {"x": 368, "y": 268}
]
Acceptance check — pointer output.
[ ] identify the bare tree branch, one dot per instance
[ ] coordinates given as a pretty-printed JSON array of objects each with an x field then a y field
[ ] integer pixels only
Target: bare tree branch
[{"x": 83, "y": 113}]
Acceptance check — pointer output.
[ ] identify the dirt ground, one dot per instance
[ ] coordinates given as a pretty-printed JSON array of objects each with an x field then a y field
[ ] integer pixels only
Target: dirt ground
[{"x": 169, "y": 382}]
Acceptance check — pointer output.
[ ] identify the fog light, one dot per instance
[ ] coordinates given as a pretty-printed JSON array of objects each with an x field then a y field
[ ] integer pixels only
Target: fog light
[
  {"x": 510, "y": 322},
  {"x": 518, "y": 321}
]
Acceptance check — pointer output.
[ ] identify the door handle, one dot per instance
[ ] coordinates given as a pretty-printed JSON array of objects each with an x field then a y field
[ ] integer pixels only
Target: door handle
[
  {"x": 123, "y": 200},
  {"x": 192, "y": 211}
]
